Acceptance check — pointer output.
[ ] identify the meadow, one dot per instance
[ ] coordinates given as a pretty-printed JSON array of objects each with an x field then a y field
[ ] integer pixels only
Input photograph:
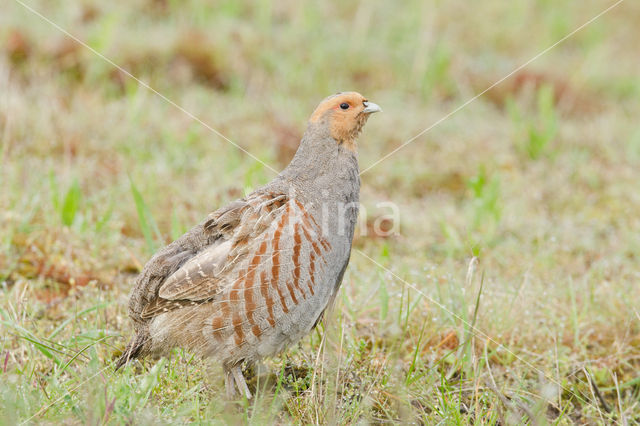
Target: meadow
[{"x": 509, "y": 294}]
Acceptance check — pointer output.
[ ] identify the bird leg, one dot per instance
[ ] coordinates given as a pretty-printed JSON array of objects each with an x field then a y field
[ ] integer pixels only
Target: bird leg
[
  {"x": 242, "y": 385},
  {"x": 229, "y": 384}
]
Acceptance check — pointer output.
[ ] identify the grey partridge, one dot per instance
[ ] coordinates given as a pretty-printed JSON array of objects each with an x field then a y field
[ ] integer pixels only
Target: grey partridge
[{"x": 257, "y": 275}]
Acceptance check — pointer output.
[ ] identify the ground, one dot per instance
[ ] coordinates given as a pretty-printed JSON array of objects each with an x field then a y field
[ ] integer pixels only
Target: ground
[{"x": 508, "y": 293}]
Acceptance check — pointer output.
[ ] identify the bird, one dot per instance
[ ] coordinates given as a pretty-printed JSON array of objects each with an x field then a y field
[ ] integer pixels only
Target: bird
[{"x": 257, "y": 275}]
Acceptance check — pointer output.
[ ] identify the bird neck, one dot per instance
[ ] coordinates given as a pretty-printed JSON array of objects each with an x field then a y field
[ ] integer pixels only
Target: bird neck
[
  {"x": 323, "y": 166},
  {"x": 320, "y": 154}
]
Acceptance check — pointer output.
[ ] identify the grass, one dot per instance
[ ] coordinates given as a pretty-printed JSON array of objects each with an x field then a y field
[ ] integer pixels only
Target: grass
[{"x": 509, "y": 294}]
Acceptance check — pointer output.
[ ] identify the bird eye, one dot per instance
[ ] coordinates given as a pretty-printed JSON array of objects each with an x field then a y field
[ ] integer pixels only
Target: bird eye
[{"x": 344, "y": 105}]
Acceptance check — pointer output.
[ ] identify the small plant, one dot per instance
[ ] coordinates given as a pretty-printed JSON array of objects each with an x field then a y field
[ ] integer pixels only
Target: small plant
[
  {"x": 533, "y": 134},
  {"x": 485, "y": 191},
  {"x": 71, "y": 203},
  {"x": 67, "y": 207},
  {"x": 436, "y": 76}
]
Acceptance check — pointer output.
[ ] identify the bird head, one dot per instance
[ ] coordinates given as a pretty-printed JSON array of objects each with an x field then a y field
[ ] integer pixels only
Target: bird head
[{"x": 344, "y": 114}]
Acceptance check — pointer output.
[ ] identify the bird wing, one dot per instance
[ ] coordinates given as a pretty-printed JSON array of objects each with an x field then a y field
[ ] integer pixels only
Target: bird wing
[{"x": 202, "y": 275}]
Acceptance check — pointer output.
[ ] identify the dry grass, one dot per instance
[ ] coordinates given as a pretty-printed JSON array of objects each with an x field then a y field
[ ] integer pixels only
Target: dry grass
[{"x": 538, "y": 179}]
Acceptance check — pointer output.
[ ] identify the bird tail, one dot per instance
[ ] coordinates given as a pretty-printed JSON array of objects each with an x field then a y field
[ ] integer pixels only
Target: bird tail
[{"x": 135, "y": 348}]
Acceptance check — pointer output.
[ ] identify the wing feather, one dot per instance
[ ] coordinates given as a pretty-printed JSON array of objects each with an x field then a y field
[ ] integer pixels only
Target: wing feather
[
  {"x": 197, "y": 279},
  {"x": 202, "y": 276}
]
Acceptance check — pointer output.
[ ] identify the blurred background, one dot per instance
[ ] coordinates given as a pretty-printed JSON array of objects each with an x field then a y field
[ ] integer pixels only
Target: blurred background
[{"x": 537, "y": 178}]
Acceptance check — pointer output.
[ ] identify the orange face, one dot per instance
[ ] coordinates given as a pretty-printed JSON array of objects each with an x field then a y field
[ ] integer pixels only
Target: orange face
[{"x": 345, "y": 114}]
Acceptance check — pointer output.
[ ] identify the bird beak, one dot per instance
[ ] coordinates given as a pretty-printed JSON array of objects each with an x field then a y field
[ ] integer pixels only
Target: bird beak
[{"x": 370, "y": 108}]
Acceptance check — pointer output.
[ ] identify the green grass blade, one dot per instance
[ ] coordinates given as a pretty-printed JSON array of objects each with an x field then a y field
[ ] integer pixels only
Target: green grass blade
[
  {"x": 66, "y": 322},
  {"x": 80, "y": 352}
]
